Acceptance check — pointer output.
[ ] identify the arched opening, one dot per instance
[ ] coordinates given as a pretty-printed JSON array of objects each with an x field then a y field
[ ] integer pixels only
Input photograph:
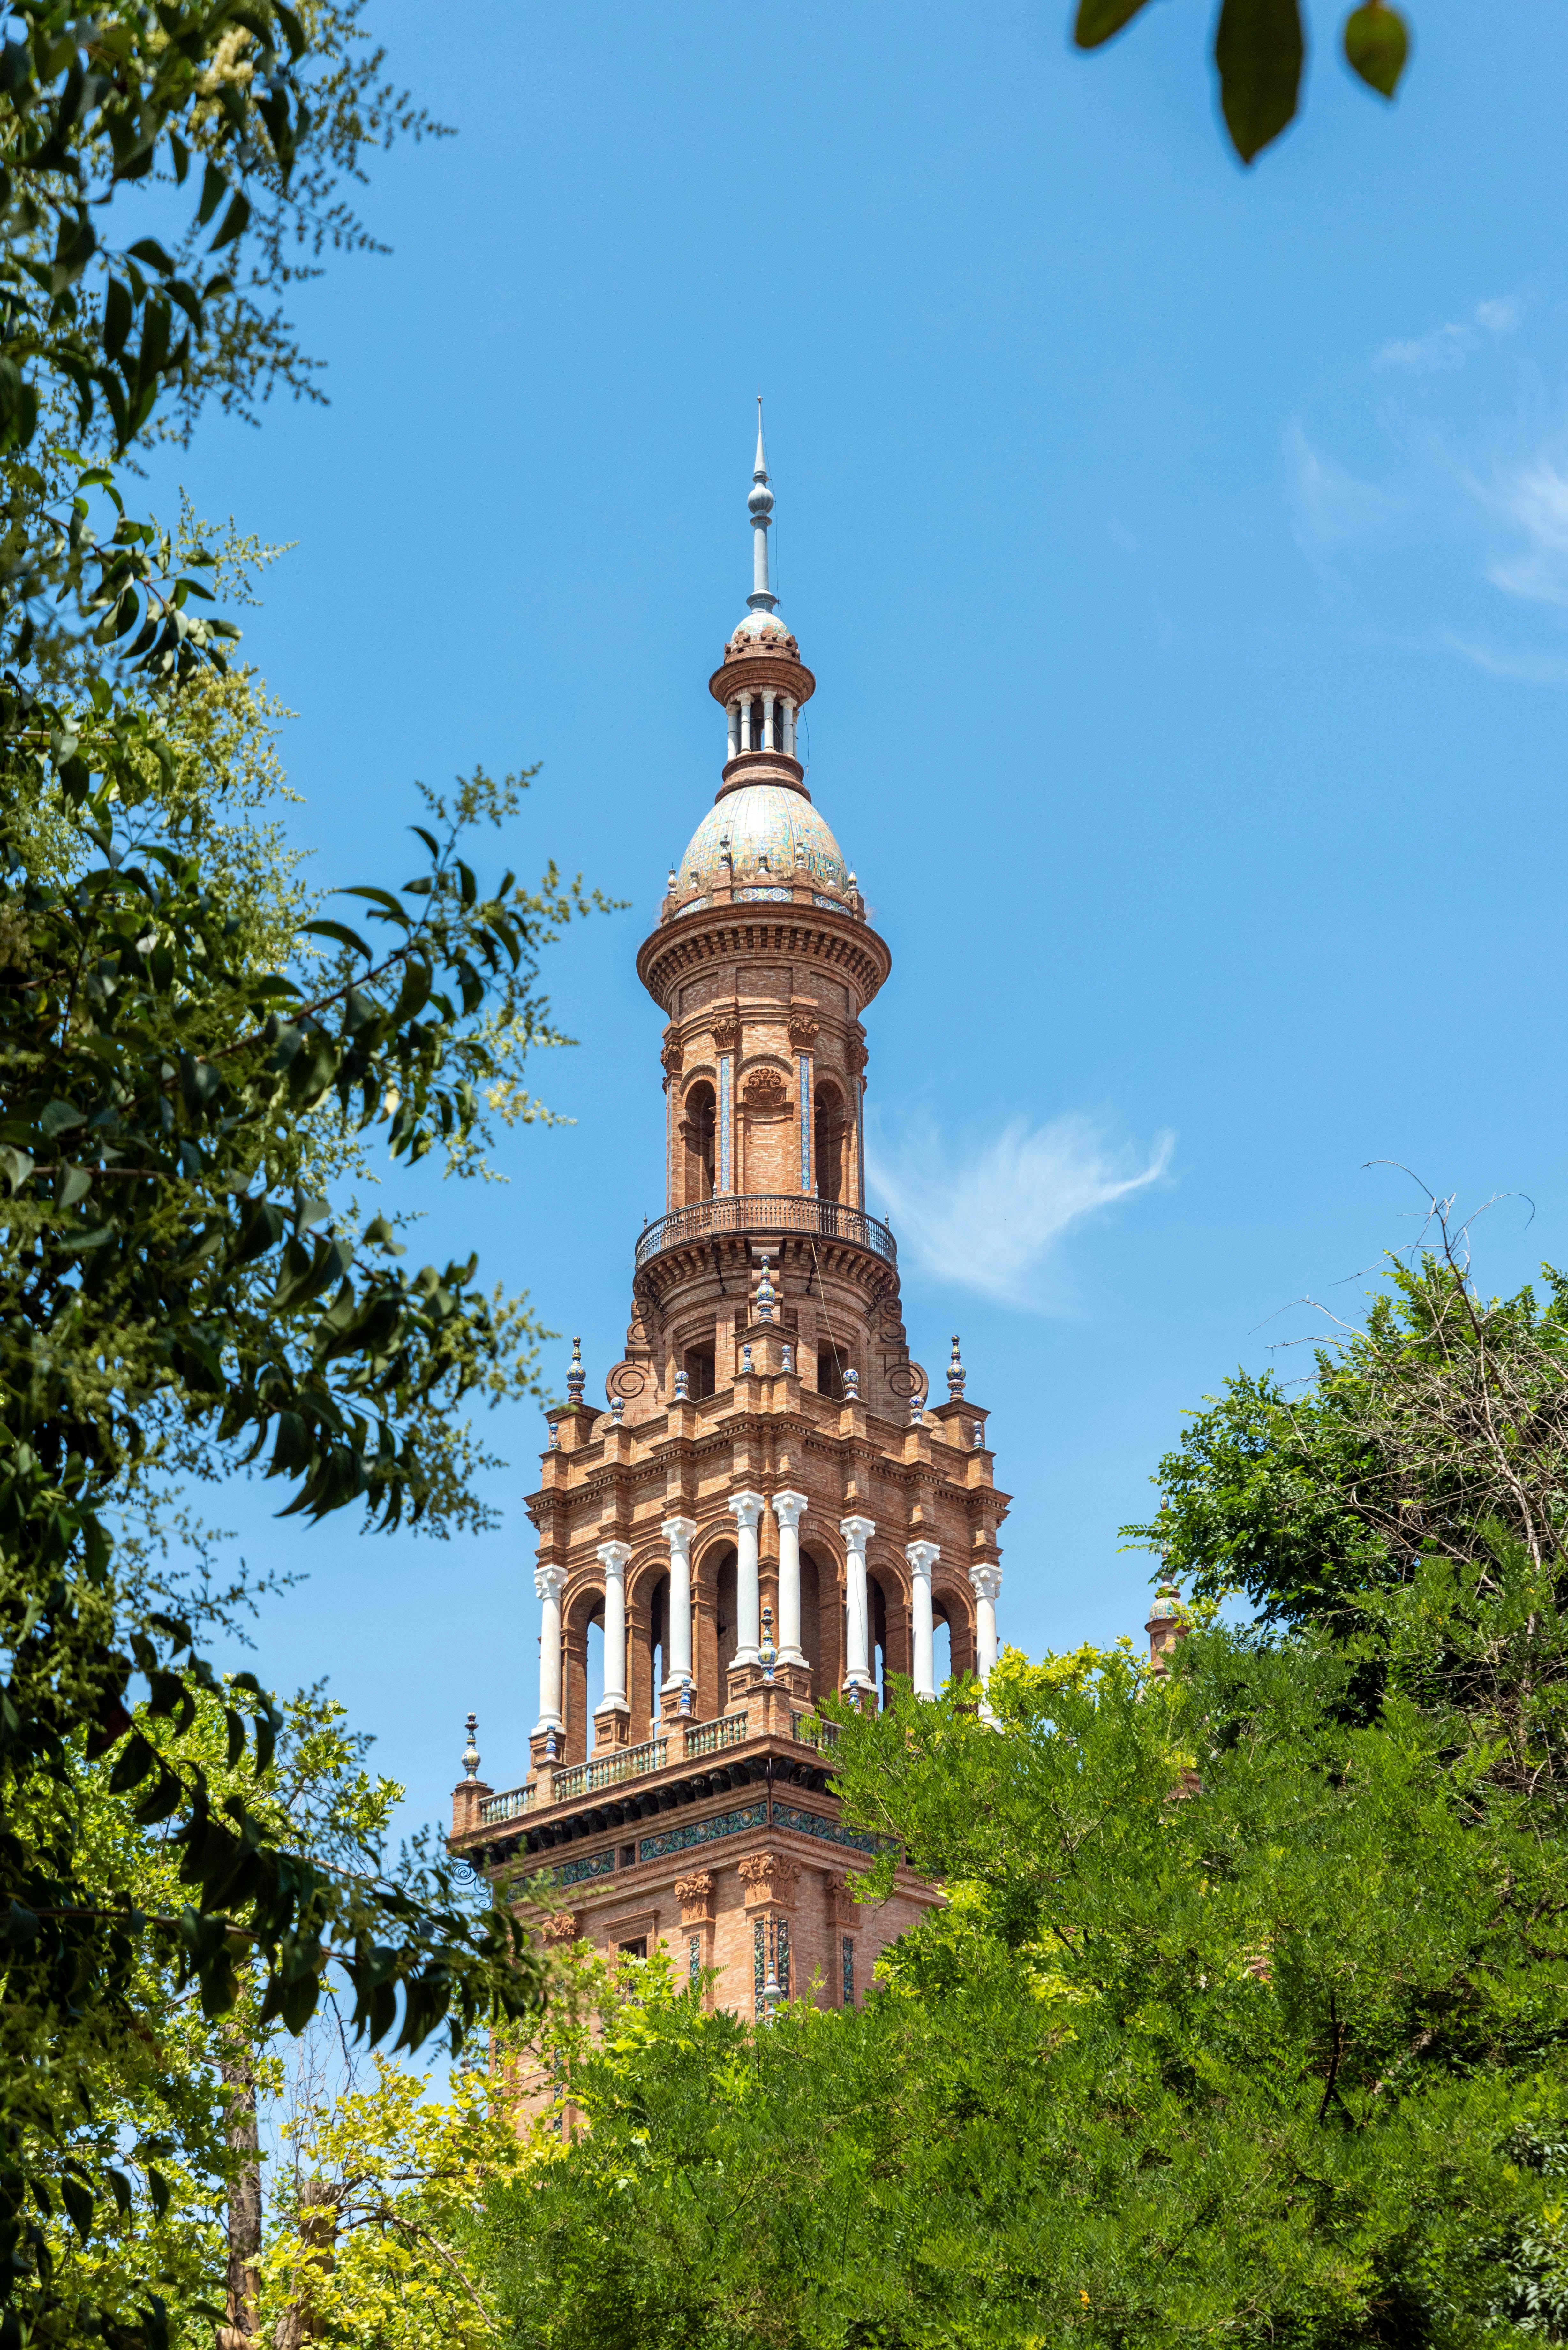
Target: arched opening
[
  {"x": 697, "y": 1362},
  {"x": 878, "y": 1629},
  {"x": 726, "y": 1616},
  {"x": 595, "y": 1675},
  {"x": 832, "y": 1362},
  {"x": 657, "y": 1649},
  {"x": 811, "y": 1617},
  {"x": 941, "y": 1650},
  {"x": 827, "y": 1136},
  {"x": 698, "y": 1134}
]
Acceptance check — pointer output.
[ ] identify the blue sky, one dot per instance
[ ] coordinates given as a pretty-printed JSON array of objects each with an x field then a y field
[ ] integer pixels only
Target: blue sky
[{"x": 1182, "y": 554}]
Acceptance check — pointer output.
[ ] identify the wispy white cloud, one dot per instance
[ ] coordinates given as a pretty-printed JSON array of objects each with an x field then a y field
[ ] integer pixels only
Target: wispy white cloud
[
  {"x": 1523, "y": 668},
  {"x": 1529, "y": 498},
  {"x": 1450, "y": 346},
  {"x": 989, "y": 1218},
  {"x": 1329, "y": 502}
]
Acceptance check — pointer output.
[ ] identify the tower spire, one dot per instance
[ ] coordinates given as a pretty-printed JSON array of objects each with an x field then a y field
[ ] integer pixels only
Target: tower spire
[{"x": 760, "y": 505}]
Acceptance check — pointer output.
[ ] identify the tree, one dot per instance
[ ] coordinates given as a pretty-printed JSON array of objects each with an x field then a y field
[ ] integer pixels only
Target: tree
[
  {"x": 1259, "y": 54},
  {"x": 180, "y": 1070},
  {"x": 1244, "y": 2023}
]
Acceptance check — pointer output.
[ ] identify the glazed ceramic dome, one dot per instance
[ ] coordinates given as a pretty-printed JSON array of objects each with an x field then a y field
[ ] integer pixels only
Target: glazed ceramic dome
[{"x": 775, "y": 834}]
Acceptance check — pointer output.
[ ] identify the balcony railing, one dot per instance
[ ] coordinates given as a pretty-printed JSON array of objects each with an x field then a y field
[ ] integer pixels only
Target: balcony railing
[
  {"x": 812, "y": 1731},
  {"x": 612, "y": 1770},
  {"x": 509, "y": 1806},
  {"x": 766, "y": 1212},
  {"x": 713, "y": 1737}
]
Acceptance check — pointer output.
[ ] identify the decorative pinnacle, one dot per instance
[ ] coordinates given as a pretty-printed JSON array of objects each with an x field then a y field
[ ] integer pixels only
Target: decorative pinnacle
[
  {"x": 956, "y": 1373},
  {"x": 761, "y": 507},
  {"x": 470, "y": 1751},
  {"x": 576, "y": 1375},
  {"x": 766, "y": 1294}
]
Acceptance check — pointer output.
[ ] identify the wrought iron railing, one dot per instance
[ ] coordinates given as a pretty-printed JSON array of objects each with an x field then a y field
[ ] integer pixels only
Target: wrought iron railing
[
  {"x": 766, "y": 1212},
  {"x": 509, "y": 1806},
  {"x": 810, "y": 1731},
  {"x": 713, "y": 1737}
]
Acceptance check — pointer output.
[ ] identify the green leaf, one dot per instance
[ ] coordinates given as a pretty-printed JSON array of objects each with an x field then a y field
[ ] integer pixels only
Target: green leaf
[
  {"x": 119, "y": 2188},
  {"x": 79, "y": 2202},
  {"x": 157, "y": 2188},
  {"x": 1100, "y": 20},
  {"x": 215, "y": 187},
  {"x": 233, "y": 223},
  {"x": 75, "y": 1184},
  {"x": 1377, "y": 46},
  {"x": 57, "y": 1117},
  {"x": 1259, "y": 52},
  {"x": 15, "y": 1166}
]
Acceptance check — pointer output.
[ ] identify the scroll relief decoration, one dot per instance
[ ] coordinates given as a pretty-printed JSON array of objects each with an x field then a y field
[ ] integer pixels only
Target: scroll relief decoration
[
  {"x": 726, "y": 1032},
  {"x": 766, "y": 1093}
]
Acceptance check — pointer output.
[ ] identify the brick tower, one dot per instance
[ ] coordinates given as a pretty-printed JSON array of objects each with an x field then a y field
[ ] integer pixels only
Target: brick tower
[{"x": 771, "y": 1507}]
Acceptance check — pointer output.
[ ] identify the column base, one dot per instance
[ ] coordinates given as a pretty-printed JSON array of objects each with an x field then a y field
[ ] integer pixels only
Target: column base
[{"x": 612, "y": 1724}]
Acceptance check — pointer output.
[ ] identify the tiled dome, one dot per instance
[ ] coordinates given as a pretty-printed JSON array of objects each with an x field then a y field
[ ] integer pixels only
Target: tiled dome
[{"x": 773, "y": 834}]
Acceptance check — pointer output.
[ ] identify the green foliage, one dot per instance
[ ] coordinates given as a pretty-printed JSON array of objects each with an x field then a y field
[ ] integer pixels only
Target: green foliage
[
  {"x": 1260, "y": 51},
  {"x": 1244, "y": 2023},
  {"x": 1445, "y": 1418}
]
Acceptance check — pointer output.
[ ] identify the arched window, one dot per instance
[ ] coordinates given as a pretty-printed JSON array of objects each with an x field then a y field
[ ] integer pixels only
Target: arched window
[
  {"x": 828, "y": 1137},
  {"x": 941, "y": 1650},
  {"x": 698, "y": 1132}
]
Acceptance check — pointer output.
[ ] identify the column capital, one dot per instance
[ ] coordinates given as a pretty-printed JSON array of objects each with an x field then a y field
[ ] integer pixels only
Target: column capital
[
  {"x": 789, "y": 1508},
  {"x": 985, "y": 1582},
  {"x": 923, "y": 1555},
  {"x": 549, "y": 1582},
  {"x": 857, "y": 1532},
  {"x": 681, "y": 1532},
  {"x": 748, "y": 1508},
  {"x": 614, "y": 1556}
]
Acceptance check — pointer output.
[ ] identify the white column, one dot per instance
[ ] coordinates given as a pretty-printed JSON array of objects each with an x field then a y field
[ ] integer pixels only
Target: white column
[
  {"x": 769, "y": 724},
  {"x": 789, "y": 729},
  {"x": 678, "y": 1638},
  {"x": 748, "y": 1509},
  {"x": 985, "y": 1582},
  {"x": 733, "y": 712},
  {"x": 613, "y": 1557},
  {"x": 922, "y": 1557},
  {"x": 549, "y": 1582},
  {"x": 858, "y": 1532},
  {"x": 789, "y": 1509},
  {"x": 746, "y": 724}
]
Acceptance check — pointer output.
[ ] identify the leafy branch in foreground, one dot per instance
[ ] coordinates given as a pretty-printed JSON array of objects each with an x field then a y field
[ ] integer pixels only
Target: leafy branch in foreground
[
  {"x": 152, "y": 1277},
  {"x": 1260, "y": 55}
]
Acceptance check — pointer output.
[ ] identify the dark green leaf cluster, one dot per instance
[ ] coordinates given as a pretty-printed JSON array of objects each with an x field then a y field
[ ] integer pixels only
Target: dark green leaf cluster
[{"x": 1259, "y": 53}]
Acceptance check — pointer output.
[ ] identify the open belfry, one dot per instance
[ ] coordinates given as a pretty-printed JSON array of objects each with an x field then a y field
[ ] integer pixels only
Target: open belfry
[{"x": 772, "y": 1506}]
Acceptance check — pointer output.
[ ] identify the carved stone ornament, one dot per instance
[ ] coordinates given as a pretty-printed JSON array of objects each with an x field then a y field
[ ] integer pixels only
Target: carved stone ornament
[
  {"x": 802, "y": 1027},
  {"x": 856, "y": 1057},
  {"x": 907, "y": 1379},
  {"x": 766, "y": 1093},
  {"x": 695, "y": 1894},
  {"x": 672, "y": 1055},
  {"x": 767, "y": 1876},
  {"x": 626, "y": 1380},
  {"x": 560, "y": 1926},
  {"x": 726, "y": 1032}
]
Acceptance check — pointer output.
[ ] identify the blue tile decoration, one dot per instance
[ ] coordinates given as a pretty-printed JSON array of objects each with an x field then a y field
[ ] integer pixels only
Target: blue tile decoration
[
  {"x": 754, "y": 835},
  {"x": 832, "y": 903},
  {"x": 784, "y": 1956},
  {"x": 848, "y": 1970},
  {"x": 805, "y": 1121},
  {"x": 694, "y": 1961},
  {"x": 773, "y": 896},
  {"x": 724, "y": 1066},
  {"x": 726, "y": 1824},
  {"x": 812, "y": 1823},
  {"x": 598, "y": 1864},
  {"x": 759, "y": 1972}
]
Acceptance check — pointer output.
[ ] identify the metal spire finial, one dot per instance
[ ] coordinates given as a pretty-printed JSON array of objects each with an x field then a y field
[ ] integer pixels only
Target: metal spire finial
[{"x": 761, "y": 506}]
